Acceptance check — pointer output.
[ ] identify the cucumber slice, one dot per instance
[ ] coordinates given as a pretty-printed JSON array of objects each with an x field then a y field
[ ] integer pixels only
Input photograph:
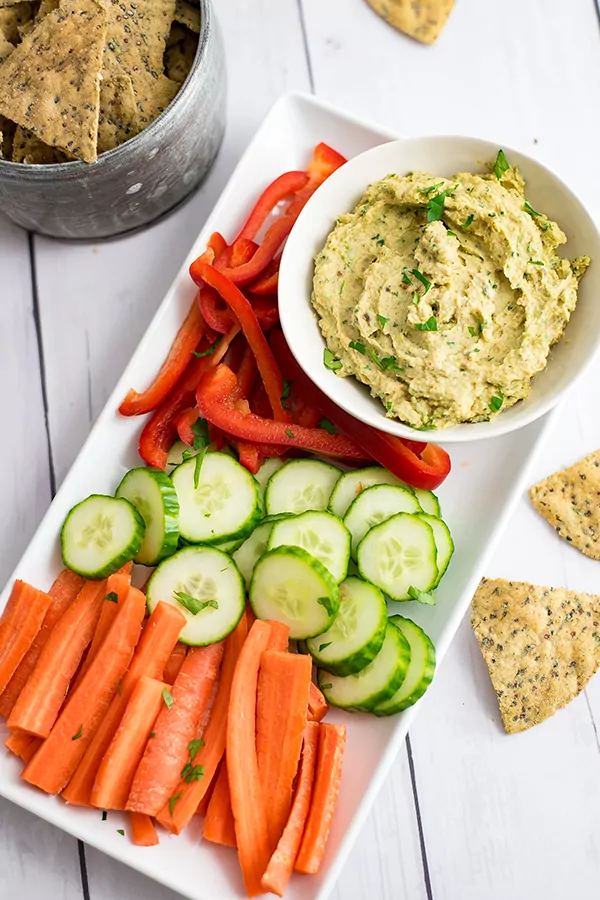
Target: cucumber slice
[
  {"x": 204, "y": 574},
  {"x": 376, "y": 682},
  {"x": 420, "y": 670},
  {"x": 373, "y": 506},
  {"x": 351, "y": 484},
  {"x": 100, "y": 535},
  {"x": 321, "y": 534},
  {"x": 291, "y": 586},
  {"x": 251, "y": 550},
  {"x": 175, "y": 455},
  {"x": 224, "y": 506},
  {"x": 357, "y": 633},
  {"x": 299, "y": 485},
  {"x": 398, "y": 554},
  {"x": 429, "y": 502},
  {"x": 153, "y": 495},
  {"x": 443, "y": 542},
  {"x": 270, "y": 465},
  {"x": 230, "y": 546}
]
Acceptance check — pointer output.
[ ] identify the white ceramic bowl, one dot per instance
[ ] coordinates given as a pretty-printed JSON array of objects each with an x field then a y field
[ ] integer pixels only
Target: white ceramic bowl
[{"x": 440, "y": 155}]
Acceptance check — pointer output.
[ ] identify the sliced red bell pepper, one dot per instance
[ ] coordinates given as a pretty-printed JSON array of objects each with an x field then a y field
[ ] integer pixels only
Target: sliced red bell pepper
[
  {"x": 278, "y": 190},
  {"x": 217, "y": 395},
  {"x": 246, "y": 372},
  {"x": 249, "y": 271},
  {"x": 184, "y": 422},
  {"x": 266, "y": 311},
  {"x": 242, "y": 251},
  {"x": 241, "y": 308},
  {"x": 420, "y": 465},
  {"x": 267, "y": 284},
  {"x": 324, "y": 162},
  {"x": 217, "y": 317},
  {"x": 187, "y": 339}
]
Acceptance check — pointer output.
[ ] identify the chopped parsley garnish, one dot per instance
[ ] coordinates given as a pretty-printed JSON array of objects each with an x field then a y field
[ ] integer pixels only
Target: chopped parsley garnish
[
  {"x": 194, "y": 747},
  {"x": 104, "y": 815},
  {"x": 152, "y": 734},
  {"x": 326, "y": 425},
  {"x": 192, "y": 604},
  {"x": 326, "y": 687},
  {"x": 529, "y": 208},
  {"x": 473, "y": 331},
  {"x": 112, "y": 596},
  {"x": 187, "y": 454},
  {"x": 476, "y": 330},
  {"x": 451, "y": 233},
  {"x": 382, "y": 320},
  {"x": 378, "y": 240},
  {"x": 424, "y": 281},
  {"x": 536, "y": 262},
  {"x": 330, "y": 361},
  {"x": 501, "y": 165},
  {"x": 415, "y": 298},
  {"x": 289, "y": 433},
  {"x": 209, "y": 350},
  {"x": 466, "y": 224},
  {"x": 198, "y": 466},
  {"x": 325, "y": 646},
  {"x": 78, "y": 735},
  {"x": 173, "y": 801},
  {"x": 429, "y": 325},
  {"x": 405, "y": 278},
  {"x": 193, "y": 773},
  {"x": 121, "y": 832},
  {"x": 435, "y": 206},
  {"x": 496, "y": 402},
  {"x": 356, "y": 345},
  {"x": 389, "y": 362},
  {"x": 201, "y": 442},
  {"x": 168, "y": 698},
  {"x": 285, "y": 397},
  {"x": 325, "y": 602},
  {"x": 421, "y": 596},
  {"x": 432, "y": 187}
]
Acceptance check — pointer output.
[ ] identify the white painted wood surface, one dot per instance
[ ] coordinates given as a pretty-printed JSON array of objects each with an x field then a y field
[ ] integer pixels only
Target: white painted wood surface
[{"x": 500, "y": 818}]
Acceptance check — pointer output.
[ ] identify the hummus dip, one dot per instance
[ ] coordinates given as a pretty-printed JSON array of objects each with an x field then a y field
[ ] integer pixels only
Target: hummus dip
[{"x": 444, "y": 296}]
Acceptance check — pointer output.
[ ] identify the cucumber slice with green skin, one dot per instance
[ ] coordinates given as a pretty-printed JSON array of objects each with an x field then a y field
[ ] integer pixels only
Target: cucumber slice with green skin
[
  {"x": 443, "y": 542},
  {"x": 351, "y": 484},
  {"x": 268, "y": 468},
  {"x": 373, "y": 506},
  {"x": 321, "y": 534},
  {"x": 153, "y": 495},
  {"x": 175, "y": 455},
  {"x": 429, "y": 502},
  {"x": 376, "y": 682},
  {"x": 230, "y": 546},
  {"x": 398, "y": 554},
  {"x": 100, "y": 535},
  {"x": 356, "y": 635},
  {"x": 224, "y": 506},
  {"x": 209, "y": 576},
  {"x": 252, "y": 548},
  {"x": 291, "y": 586},
  {"x": 420, "y": 670},
  {"x": 300, "y": 485}
]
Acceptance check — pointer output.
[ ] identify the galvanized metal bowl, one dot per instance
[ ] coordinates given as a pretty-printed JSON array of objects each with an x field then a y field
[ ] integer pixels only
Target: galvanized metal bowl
[{"x": 140, "y": 181}]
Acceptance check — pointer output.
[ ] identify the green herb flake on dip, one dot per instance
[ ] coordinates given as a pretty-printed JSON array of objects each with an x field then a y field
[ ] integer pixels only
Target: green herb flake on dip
[{"x": 499, "y": 294}]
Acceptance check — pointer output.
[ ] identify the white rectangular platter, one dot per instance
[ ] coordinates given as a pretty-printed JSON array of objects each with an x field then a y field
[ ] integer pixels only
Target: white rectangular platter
[{"x": 477, "y": 499}]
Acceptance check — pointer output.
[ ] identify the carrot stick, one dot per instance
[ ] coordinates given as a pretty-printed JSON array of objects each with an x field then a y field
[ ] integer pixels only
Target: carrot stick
[
  {"x": 143, "y": 830},
  {"x": 317, "y": 704},
  {"x": 250, "y": 615},
  {"x": 202, "y": 807},
  {"x": 247, "y": 799},
  {"x": 19, "y": 625},
  {"x": 279, "y": 637},
  {"x": 18, "y": 742},
  {"x": 281, "y": 716},
  {"x": 117, "y": 588},
  {"x": 41, "y": 699},
  {"x": 281, "y": 864},
  {"x": 332, "y": 740},
  {"x": 159, "y": 636},
  {"x": 174, "y": 662},
  {"x": 167, "y": 756},
  {"x": 61, "y": 752},
  {"x": 209, "y": 756},
  {"x": 116, "y": 771},
  {"x": 219, "y": 825}
]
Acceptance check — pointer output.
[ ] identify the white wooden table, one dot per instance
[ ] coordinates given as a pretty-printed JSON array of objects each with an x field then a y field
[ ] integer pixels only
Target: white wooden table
[{"x": 468, "y": 812}]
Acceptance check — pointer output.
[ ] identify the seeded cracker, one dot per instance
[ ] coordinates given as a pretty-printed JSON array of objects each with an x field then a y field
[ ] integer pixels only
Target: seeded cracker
[
  {"x": 420, "y": 19},
  {"x": 50, "y": 84},
  {"x": 570, "y": 501},
  {"x": 30, "y": 150},
  {"x": 6, "y": 48},
  {"x": 541, "y": 646},
  {"x": 11, "y": 17},
  {"x": 187, "y": 15},
  {"x": 179, "y": 58},
  {"x": 118, "y": 112}
]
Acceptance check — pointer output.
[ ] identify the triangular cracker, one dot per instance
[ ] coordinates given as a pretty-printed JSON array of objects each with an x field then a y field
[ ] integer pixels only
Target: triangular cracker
[
  {"x": 118, "y": 112},
  {"x": 570, "y": 501},
  {"x": 541, "y": 646},
  {"x": 179, "y": 57},
  {"x": 12, "y": 17},
  {"x": 57, "y": 67},
  {"x": 6, "y": 48},
  {"x": 187, "y": 15},
  {"x": 30, "y": 150}
]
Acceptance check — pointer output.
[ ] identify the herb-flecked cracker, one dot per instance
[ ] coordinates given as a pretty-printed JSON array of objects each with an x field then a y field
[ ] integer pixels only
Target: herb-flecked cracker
[
  {"x": 570, "y": 501},
  {"x": 179, "y": 57},
  {"x": 7, "y": 133},
  {"x": 6, "y": 48},
  {"x": 50, "y": 84},
  {"x": 28, "y": 149},
  {"x": 420, "y": 19},
  {"x": 118, "y": 112},
  {"x": 541, "y": 646},
  {"x": 12, "y": 17},
  {"x": 187, "y": 15}
]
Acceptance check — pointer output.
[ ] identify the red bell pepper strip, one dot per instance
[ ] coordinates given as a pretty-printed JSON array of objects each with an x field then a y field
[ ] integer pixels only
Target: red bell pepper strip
[
  {"x": 188, "y": 338},
  {"x": 267, "y": 284},
  {"x": 184, "y": 422},
  {"x": 220, "y": 319},
  {"x": 324, "y": 162},
  {"x": 242, "y": 251},
  {"x": 216, "y": 243},
  {"x": 420, "y": 465},
  {"x": 216, "y": 396},
  {"x": 249, "y": 271},
  {"x": 246, "y": 372},
  {"x": 266, "y": 311},
  {"x": 241, "y": 308},
  {"x": 278, "y": 190}
]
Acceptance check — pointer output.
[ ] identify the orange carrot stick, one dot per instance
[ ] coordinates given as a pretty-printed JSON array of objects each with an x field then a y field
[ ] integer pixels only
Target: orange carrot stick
[
  {"x": 63, "y": 593},
  {"x": 250, "y": 615},
  {"x": 202, "y": 807},
  {"x": 247, "y": 799},
  {"x": 219, "y": 826},
  {"x": 41, "y": 699},
  {"x": 18, "y": 742},
  {"x": 117, "y": 588},
  {"x": 281, "y": 864},
  {"x": 208, "y": 756},
  {"x": 332, "y": 740},
  {"x": 166, "y": 758},
  {"x": 58, "y": 757},
  {"x": 116, "y": 771},
  {"x": 143, "y": 830},
  {"x": 175, "y": 662},
  {"x": 19, "y": 625},
  {"x": 317, "y": 704},
  {"x": 281, "y": 716},
  {"x": 280, "y": 635},
  {"x": 159, "y": 636}
]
